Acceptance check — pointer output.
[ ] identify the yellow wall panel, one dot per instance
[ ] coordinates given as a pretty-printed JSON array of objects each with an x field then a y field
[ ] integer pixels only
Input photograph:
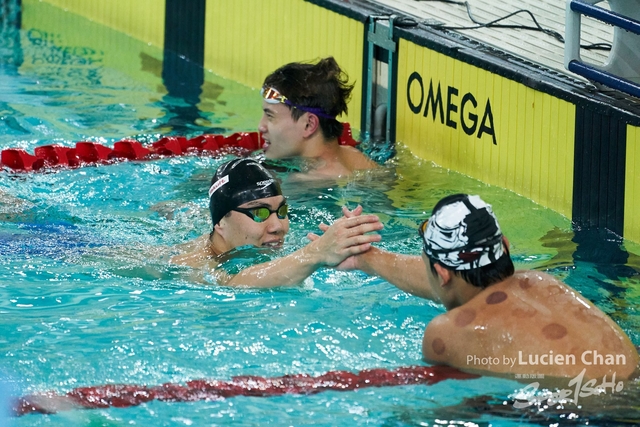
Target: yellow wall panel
[
  {"x": 141, "y": 19},
  {"x": 632, "y": 187},
  {"x": 73, "y": 33},
  {"x": 520, "y": 93},
  {"x": 546, "y": 168},
  {"x": 486, "y": 126},
  {"x": 247, "y": 39}
]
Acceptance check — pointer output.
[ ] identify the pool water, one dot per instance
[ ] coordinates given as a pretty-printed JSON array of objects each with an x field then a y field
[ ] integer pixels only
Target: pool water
[{"x": 87, "y": 296}]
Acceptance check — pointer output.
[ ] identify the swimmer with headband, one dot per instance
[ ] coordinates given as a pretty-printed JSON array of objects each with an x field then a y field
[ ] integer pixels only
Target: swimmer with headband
[
  {"x": 248, "y": 208},
  {"x": 301, "y": 104}
]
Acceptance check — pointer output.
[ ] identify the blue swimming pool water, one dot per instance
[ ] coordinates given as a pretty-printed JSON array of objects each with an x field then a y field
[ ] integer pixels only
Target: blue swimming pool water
[{"x": 87, "y": 296}]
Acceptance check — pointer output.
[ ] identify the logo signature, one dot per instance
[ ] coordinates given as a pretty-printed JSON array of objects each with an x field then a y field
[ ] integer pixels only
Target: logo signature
[
  {"x": 264, "y": 184},
  {"x": 219, "y": 183},
  {"x": 527, "y": 396}
]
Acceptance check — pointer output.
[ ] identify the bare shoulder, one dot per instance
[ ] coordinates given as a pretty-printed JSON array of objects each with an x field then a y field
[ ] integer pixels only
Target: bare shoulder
[
  {"x": 524, "y": 319},
  {"x": 535, "y": 276},
  {"x": 195, "y": 253},
  {"x": 194, "y": 244},
  {"x": 357, "y": 159},
  {"x": 444, "y": 341},
  {"x": 548, "y": 290},
  {"x": 434, "y": 339},
  {"x": 527, "y": 284}
]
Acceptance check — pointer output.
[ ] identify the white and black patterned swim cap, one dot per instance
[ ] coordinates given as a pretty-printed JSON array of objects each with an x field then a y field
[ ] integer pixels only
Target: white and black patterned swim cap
[{"x": 463, "y": 234}]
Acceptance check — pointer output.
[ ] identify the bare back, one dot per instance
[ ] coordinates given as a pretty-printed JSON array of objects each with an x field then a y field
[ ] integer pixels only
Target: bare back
[{"x": 530, "y": 323}]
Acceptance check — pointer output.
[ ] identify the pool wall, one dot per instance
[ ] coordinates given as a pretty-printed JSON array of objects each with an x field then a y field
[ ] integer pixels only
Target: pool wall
[
  {"x": 47, "y": 25},
  {"x": 141, "y": 19},
  {"x": 461, "y": 104}
]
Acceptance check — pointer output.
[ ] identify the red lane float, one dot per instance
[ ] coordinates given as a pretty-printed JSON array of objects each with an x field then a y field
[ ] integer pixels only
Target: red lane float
[
  {"x": 18, "y": 159},
  {"x": 57, "y": 155},
  {"x": 90, "y": 153},
  {"x": 125, "y": 395}
]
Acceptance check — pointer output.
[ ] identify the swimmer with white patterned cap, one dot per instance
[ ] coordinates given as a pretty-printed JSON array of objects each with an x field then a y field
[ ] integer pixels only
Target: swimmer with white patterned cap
[{"x": 499, "y": 321}]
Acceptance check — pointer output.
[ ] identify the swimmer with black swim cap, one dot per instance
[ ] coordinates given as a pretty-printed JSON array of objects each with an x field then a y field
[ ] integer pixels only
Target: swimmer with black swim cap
[
  {"x": 248, "y": 208},
  {"x": 244, "y": 188},
  {"x": 497, "y": 313}
]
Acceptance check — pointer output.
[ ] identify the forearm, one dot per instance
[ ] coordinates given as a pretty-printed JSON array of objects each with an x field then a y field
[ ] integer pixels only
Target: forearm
[
  {"x": 344, "y": 238},
  {"x": 286, "y": 271},
  {"x": 406, "y": 272}
]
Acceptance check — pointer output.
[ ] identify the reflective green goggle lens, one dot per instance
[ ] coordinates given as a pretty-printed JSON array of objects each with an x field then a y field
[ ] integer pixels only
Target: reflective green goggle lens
[{"x": 262, "y": 214}]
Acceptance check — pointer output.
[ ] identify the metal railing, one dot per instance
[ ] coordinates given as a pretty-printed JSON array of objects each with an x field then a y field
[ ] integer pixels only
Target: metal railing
[{"x": 622, "y": 70}]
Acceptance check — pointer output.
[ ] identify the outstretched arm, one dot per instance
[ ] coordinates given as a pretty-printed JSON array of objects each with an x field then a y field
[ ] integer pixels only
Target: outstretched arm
[
  {"x": 344, "y": 238},
  {"x": 406, "y": 272}
]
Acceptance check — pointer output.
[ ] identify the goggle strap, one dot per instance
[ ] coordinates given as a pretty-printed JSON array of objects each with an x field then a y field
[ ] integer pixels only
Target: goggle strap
[{"x": 271, "y": 94}]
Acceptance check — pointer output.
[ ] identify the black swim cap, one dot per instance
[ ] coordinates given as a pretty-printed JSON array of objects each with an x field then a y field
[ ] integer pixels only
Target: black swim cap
[{"x": 237, "y": 182}]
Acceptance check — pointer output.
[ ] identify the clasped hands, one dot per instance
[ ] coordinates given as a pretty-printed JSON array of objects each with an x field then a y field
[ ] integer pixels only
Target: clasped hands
[{"x": 346, "y": 238}]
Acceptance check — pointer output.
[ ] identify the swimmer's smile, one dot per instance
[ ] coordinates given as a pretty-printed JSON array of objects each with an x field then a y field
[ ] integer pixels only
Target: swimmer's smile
[{"x": 274, "y": 243}]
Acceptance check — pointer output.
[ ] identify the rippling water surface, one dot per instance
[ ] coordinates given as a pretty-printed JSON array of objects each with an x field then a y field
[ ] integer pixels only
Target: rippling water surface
[{"x": 87, "y": 296}]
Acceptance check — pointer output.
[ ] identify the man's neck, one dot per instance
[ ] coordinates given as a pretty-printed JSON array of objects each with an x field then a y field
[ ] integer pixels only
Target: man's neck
[
  {"x": 464, "y": 291},
  {"x": 217, "y": 245},
  {"x": 317, "y": 147},
  {"x": 325, "y": 157}
]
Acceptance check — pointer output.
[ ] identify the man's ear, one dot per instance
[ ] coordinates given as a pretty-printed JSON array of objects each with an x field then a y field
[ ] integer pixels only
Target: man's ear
[
  {"x": 505, "y": 241},
  {"x": 444, "y": 273},
  {"x": 312, "y": 123},
  {"x": 219, "y": 230}
]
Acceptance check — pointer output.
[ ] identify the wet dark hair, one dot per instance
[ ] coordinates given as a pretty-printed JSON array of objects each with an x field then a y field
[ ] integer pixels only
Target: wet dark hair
[
  {"x": 481, "y": 277},
  {"x": 320, "y": 85}
]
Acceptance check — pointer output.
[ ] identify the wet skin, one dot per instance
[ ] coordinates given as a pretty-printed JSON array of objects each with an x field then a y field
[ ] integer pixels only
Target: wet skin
[
  {"x": 237, "y": 229},
  {"x": 286, "y": 138},
  {"x": 535, "y": 321}
]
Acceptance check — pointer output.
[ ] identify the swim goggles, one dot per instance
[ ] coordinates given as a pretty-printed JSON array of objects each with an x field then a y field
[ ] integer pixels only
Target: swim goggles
[
  {"x": 422, "y": 229},
  {"x": 272, "y": 96},
  {"x": 261, "y": 214}
]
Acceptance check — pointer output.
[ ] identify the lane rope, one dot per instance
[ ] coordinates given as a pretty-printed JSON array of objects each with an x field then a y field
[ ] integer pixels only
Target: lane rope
[
  {"x": 127, "y": 395},
  {"x": 86, "y": 153}
]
